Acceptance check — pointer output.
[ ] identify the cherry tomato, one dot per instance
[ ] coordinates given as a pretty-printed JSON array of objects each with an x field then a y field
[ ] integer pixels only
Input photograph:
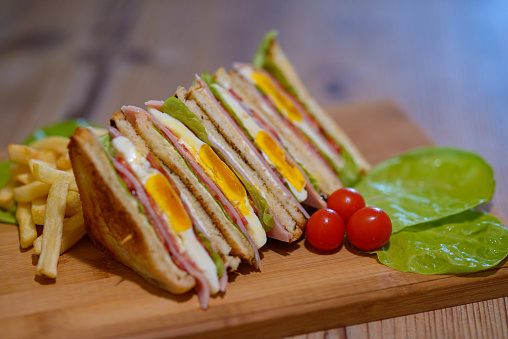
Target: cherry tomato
[
  {"x": 325, "y": 230},
  {"x": 345, "y": 201},
  {"x": 369, "y": 228}
]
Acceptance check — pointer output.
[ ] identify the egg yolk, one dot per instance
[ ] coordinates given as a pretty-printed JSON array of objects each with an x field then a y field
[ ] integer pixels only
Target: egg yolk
[
  {"x": 165, "y": 196},
  {"x": 224, "y": 178},
  {"x": 281, "y": 101},
  {"x": 278, "y": 158}
]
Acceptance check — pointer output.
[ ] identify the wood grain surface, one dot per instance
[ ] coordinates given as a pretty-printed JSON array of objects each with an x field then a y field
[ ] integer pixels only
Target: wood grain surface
[
  {"x": 297, "y": 290},
  {"x": 444, "y": 63}
]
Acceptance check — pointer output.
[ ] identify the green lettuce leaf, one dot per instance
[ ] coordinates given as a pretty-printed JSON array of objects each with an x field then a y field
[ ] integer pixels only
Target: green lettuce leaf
[
  {"x": 4, "y": 172},
  {"x": 260, "y": 202},
  {"x": 207, "y": 78},
  {"x": 262, "y": 51},
  {"x": 428, "y": 184},
  {"x": 6, "y": 216},
  {"x": 312, "y": 180},
  {"x": 262, "y": 59},
  {"x": 470, "y": 241},
  {"x": 62, "y": 129},
  {"x": 179, "y": 111},
  {"x": 214, "y": 255},
  {"x": 107, "y": 143}
]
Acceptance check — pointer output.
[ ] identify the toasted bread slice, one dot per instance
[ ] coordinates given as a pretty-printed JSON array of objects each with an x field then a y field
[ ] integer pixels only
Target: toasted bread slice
[
  {"x": 304, "y": 154},
  {"x": 114, "y": 221},
  {"x": 272, "y": 58},
  {"x": 208, "y": 110},
  {"x": 229, "y": 242}
]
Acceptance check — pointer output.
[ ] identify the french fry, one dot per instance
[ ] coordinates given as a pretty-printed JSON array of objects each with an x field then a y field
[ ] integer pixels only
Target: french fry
[
  {"x": 7, "y": 196},
  {"x": 55, "y": 143},
  {"x": 27, "y": 230},
  {"x": 53, "y": 224},
  {"x": 40, "y": 162},
  {"x": 31, "y": 191},
  {"x": 64, "y": 162},
  {"x": 21, "y": 154},
  {"x": 49, "y": 175},
  {"x": 73, "y": 204},
  {"x": 39, "y": 210},
  {"x": 38, "y": 245},
  {"x": 42, "y": 182},
  {"x": 24, "y": 178},
  {"x": 73, "y": 230}
]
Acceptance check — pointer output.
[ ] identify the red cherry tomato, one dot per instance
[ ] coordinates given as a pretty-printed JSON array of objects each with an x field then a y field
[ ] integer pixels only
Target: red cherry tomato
[
  {"x": 345, "y": 201},
  {"x": 369, "y": 228},
  {"x": 325, "y": 230}
]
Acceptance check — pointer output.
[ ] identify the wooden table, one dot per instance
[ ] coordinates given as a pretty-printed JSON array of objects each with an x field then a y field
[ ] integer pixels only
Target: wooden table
[{"x": 444, "y": 64}]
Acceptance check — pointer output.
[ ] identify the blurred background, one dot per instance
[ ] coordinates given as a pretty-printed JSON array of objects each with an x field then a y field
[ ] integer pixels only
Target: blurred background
[{"x": 444, "y": 63}]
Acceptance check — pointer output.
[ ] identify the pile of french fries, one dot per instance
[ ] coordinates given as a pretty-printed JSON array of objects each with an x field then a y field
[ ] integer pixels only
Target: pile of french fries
[{"x": 42, "y": 184}]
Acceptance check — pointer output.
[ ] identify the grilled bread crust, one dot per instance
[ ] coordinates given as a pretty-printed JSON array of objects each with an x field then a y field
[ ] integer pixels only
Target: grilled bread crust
[{"x": 113, "y": 220}]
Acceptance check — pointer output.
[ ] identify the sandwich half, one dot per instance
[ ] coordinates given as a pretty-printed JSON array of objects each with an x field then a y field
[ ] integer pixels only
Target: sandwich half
[
  {"x": 267, "y": 141},
  {"x": 231, "y": 243},
  {"x": 302, "y": 147},
  {"x": 271, "y": 58},
  {"x": 191, "y": 143},
  {"x": 135, "y": 211},
  {"x": 288, "y": 216}
]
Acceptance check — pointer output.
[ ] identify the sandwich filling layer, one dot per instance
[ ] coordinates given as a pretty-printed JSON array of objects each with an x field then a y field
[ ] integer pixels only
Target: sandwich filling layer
[
  {"x": 292, "y": 110},
  {"x": 217, "y": 171},
  {"x": 289, "y": 217},
  {"x": 300, "y": 147},
  {"x": 271, "y": 150},
  {"x": 168, "y": 215},
  {"x": 239, "y": 108}
]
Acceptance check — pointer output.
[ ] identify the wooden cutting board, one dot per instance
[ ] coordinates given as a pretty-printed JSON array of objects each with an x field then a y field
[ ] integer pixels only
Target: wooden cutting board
[{"x": 297, "y": 290}]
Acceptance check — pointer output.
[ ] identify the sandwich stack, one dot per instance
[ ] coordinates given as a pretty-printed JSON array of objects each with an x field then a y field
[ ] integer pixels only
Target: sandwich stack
[{"x": 184, "y": 190}]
